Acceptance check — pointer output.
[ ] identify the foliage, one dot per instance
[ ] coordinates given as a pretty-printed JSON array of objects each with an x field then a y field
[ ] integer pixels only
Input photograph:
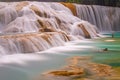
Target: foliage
[
  {"x": 88, "y": 2},
  {"x": 97, "y": 2}
]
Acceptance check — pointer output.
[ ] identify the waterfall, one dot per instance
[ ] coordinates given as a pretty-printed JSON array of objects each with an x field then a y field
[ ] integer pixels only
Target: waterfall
[
  {"x": 28, "y": 27},
  {"x": 85, "y": 29},
  {"x": 107, "y": 19},
  {"x": 32, "y": 42}
]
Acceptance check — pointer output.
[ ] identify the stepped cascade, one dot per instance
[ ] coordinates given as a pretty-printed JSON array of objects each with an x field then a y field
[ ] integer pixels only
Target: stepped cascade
[
  {"x": 107, "y": 19},
  {"x": 27, "y": 27},
  {"x": 59, "y": 41}
]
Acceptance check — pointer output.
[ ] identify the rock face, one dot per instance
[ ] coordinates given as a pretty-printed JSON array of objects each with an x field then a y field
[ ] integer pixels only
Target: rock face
[{"x": 81, "y": 67}]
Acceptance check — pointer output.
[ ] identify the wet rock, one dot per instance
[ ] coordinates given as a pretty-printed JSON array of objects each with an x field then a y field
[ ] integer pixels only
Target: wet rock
[
  {"x": 66, "y": 73},
  {"x": 87, "y": 34},
  {"x": 106, "y": 49},
  {"x": 81, "y": 68},
  {"x": 48, "y": 29},
  {"x": 71, "y": 7},
  {"x": 36, "y": 10},
  {"x": 45, "y": 26},
  {"x": 31, "y": 42},
  {"x": 100, "y": 69},
  {"x": 22, "y": 4},
  {"x": 83, "y": 79}
]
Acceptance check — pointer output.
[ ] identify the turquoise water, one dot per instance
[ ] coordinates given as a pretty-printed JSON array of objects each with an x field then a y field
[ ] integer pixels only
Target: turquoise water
[
  {"x": 57, "y": 57},
  {"x": 116, "y": 34},
  {"x": 111, "y": 57},
  {"x": 93, "y": 48}
]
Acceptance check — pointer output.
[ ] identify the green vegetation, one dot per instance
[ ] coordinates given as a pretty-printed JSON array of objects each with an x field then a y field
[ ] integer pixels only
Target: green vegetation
[
  {"x": 97, "y": 2},
  {"x": 74, "y": 1},
  {"x": 88, "y": 2}
]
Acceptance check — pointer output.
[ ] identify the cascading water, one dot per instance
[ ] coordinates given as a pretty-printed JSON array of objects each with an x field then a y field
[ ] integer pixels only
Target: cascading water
[
  {"x": 28, "y": 27},
  {"x": 107, "y": 19},
  {"x": 33, "y": 27}
]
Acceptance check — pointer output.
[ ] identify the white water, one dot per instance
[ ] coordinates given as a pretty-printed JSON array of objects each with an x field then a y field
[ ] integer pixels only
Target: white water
[
  {"x": 30, "y": 66},
  {"x": 27, "y": 32},
  {"x": 28, "y": 27},
  {"x": 107, "y": 19}
]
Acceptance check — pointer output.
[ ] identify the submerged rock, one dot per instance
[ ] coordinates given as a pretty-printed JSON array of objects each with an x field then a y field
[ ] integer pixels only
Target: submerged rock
[
  {"x": 81, "y": 68},
  {"x": 106, "y": 49},
  {"x": 67, "y": 72},
  {"x": 100, "y": 70},
  {"x": 83, "y": 79}
]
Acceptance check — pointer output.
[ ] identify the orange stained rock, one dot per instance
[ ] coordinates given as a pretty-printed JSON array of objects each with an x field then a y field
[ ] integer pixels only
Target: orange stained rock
[
  {"x": 79, "y": 67},
  {"x": 41, "y": 23},
  {"x": 27, "y": 35},
  {"x": 67, "y": 72},
  {"x": 47, "y": 38},
  {"x": 29, "y": 40},
  {"x": 71, "y": 7},
  {"x": 44, "y": 23},
  {"x": 66, "y": 37},
  {"x": 74, "y": 61},
  {"x": 45, "y": 26},
  {"x": 58, "y": 20},
  {"x": 36, "y": 10},
  {"x": 100, "y": 69},
  {"x": 20, "y": 5},
  {"x": 46, "y": 30},
  {"x": 87, "y": 35}
]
